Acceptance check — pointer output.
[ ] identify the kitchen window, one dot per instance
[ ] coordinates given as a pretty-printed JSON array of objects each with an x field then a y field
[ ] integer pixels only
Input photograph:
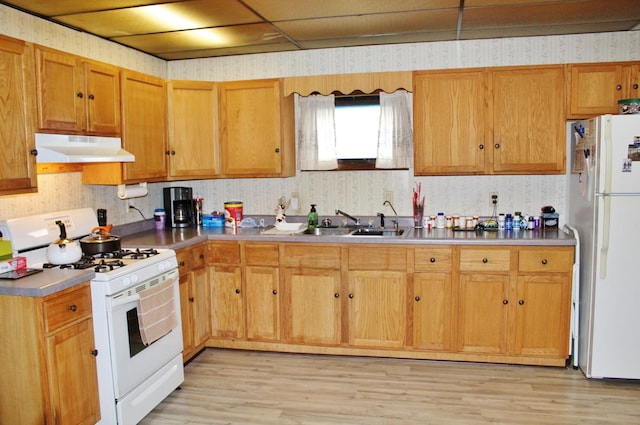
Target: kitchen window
[{"x": 354, "y": 132}]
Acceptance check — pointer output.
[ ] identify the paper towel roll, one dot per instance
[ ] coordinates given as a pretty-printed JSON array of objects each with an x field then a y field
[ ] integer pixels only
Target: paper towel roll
[{"x": 132, "y": 191}]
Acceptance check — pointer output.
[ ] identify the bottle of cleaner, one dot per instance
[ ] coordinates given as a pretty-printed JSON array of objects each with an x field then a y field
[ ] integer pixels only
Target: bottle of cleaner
[{"x": 312, "y": 219}]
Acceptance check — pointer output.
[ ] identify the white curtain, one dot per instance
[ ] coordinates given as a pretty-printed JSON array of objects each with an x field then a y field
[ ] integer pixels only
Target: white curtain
[
  {"x": 316, "y": 132},
  {"x": 395, "y": 134}
]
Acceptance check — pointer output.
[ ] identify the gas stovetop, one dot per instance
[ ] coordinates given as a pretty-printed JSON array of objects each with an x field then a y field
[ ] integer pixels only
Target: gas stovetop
[{"x": 104, "y": 262}]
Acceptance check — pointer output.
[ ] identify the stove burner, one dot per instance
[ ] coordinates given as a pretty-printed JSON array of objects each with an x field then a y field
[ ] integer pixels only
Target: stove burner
[
  {"x": 105, "y": 266},
  {"x": 100, "y": 261},
  {"x": 127, "y": 253}
]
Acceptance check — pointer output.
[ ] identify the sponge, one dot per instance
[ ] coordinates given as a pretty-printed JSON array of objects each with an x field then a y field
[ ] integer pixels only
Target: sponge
[{"x": 6, "y": 252}]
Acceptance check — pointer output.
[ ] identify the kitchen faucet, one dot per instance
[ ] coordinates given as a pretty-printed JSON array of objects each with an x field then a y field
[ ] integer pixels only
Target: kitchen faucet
[
  {"x": 355, "y": 220},
  {"x": 395, "y": 222}
]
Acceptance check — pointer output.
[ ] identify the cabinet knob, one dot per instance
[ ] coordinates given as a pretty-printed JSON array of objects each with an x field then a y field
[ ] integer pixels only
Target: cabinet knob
[
  {"x": 91, "y": 97},
  {"x": 497, "y": 146},
  {"x": 350, "y": 295},
  {"x": 191, "y": 299},
  {"x": 544, "y": 261},
  {"x": 80, "y": 95},
  {"x": 521, "y": 302},
  {"x": 94, "y": 352},
  {"x": 274, "y": 292},
  {"x": 635, "y": 86},
  {"x": 485, "y": 260},
  {"x": 201, "y": 256},
  {"x": 237, "y": 291},
  {"x": 337, "y": 295},
  {"x": 417, "y": 298},
  {"x": 432, "y": 260},
  {"x": 481, "y": 146},
  {"x": 173, "y": 152},
  {"x": 34, "y": 152},
  {"x": 505, "y": 302},
  {"x": 181, "y": 263},
  {"x": 277, "y": 150},
  {"x": 73, "y": 307},
  {"x": 619, "y": 87}
]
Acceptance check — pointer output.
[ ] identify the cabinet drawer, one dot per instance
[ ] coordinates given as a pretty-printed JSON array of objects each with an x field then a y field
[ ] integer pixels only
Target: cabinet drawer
[
  {"x": 368, "y": 257},
  {"x": 495, "y": 260},
  {"x": 432, "y": 259},
  {"x": 198, "y": 256},
  {"x": 65, "y": 308},
  {"x": 261, "y": 255},
  {"x": 324, "y": 257},
  {"x": 224, "y": 253},
  {"x": 184, "y": 260},
  {"x": 545, "y": 260}
]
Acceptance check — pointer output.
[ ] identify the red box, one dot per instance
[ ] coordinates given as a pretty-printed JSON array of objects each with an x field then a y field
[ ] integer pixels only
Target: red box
[{"x": 18, "y": 263}]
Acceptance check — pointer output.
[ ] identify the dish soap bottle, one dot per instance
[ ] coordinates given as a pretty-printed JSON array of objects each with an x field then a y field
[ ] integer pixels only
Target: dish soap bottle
[{"x": 312, "y": 219}]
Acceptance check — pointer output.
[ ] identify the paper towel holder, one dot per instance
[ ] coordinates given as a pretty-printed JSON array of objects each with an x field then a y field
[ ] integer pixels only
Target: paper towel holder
[{"x": 132, "y": 191}]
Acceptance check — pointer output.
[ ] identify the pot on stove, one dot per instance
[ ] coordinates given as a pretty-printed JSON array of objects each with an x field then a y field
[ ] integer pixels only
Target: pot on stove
[
  {"x": 64, "y": 250},
  {"x": 100, "y": 241}
]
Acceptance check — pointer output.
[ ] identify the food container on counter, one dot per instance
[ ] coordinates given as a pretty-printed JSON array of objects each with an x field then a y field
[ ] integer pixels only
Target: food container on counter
[
  {"x": 629, "y": 106},
  {"x": 233, "y": 213},
  {"x": 215, "y": 219}
]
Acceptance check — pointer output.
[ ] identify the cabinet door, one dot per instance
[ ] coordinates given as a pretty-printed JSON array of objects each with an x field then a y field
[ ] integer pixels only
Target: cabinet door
[
  {"x": 201, "y": 322},
  {"x": 449, "y": 122},
  {"x": 527, "y": 113},
  {"x": 313, "y": 306},
  {"x": 542, "y": 315},
  {"x": 432, "y": 311},
  {"x": 144, "y": 117},
  {"x": 185, "y": 313},
  {"x": 594, "y": 89},
  {"x": 262, "y": 306},
  {"x": 60, "y": 93},
  {"x": 482, "y": 313},
  {"x": 73, "y": 380},
  {"x": 102, "y": 98},
  {"x": 193, "y": 129},
  {"x": 251, "y": 128},
  {"x": 226, "y": 301},
  {"x": 377, "y": 309},
  {"x": 17, "y": 163}
]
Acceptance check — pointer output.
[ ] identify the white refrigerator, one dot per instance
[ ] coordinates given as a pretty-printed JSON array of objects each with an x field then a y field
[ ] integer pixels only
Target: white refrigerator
[{"x": 604, "y": 207}]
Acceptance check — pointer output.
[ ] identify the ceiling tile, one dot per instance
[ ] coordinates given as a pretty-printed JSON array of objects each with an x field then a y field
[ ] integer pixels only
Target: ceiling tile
[
  {"x": 378, "y": 40},
  {"x": 63, "y": 7},
  {"x": 475, "y": 34},
  {"x": 239, "y": 50},
  {"x": 162, "y": 18}
]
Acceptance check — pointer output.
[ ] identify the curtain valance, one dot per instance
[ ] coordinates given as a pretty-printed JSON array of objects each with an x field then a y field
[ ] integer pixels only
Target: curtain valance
[{"x": 347, "y": 83}]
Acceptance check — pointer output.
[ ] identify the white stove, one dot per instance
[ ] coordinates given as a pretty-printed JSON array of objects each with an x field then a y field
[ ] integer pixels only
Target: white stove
[{"x": 133, "y": 376}]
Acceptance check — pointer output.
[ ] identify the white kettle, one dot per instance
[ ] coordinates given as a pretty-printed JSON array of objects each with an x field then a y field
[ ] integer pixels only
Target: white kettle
[{"x": 64, "y": 250}]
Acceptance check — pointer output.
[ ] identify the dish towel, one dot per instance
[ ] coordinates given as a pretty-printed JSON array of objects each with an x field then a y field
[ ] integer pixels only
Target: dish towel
[{"x": 156, "y": 312}]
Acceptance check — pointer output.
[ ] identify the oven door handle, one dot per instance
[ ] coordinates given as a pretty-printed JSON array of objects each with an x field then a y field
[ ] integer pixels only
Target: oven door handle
[{"x": 124, "y": 300}]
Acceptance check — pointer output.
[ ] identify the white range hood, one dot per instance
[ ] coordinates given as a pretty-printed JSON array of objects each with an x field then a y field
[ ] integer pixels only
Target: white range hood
[{"x": 71, "y": 148}]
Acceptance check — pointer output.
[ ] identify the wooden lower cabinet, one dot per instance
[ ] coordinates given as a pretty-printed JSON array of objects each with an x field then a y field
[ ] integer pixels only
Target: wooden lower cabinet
[
  {"x": 506, "y": 304},
  {"x": 49, "y": 352}
]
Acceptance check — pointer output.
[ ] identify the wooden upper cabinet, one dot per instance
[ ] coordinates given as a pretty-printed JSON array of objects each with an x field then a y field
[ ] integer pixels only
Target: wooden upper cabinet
[
  {"x": 595, "y": 89},
  {"x": 17, "y": 109},
  {"x": 527, "y": 125},
  {"x": 193, "y": 130},
  {"x": 257, "y": 129},
  {"x": 449, "y": 122},
  {"x": 76, "y": 95}
]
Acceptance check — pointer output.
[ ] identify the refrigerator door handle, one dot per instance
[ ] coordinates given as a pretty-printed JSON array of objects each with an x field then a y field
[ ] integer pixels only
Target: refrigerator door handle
[{"x": 606, "y": 230}]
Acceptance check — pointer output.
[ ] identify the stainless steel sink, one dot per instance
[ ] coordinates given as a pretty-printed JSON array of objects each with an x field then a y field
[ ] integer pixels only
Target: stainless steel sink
[
  {"x": 328, "y": 231},
  {"x": 378, "y": 232}
]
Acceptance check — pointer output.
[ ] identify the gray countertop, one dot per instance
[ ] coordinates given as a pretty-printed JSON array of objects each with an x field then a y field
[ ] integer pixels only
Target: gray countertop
[{"x": 46, "y": 283}]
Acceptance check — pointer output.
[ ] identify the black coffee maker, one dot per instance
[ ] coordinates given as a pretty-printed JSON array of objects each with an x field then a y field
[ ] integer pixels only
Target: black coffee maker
[{"x": 178, "y": 204}]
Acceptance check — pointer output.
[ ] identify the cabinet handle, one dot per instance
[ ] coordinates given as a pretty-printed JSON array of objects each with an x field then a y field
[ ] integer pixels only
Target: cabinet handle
[
  {"x": 181, "y": 263},
  {"x": 80, "y": 95},
  {"x": 497, "y": 146},
  {"x": 350, "y": 295},
  {"x": 417, "y": 298},
  {"x": 172, "y": 152},
  {"x": 337, "y": 295},
  {"x": 505, "y": 302},
  {"x": 73, "y": 307},
  {"x": 91, "y": 97},
  {"x": 34, "y": 152},
  {"x": 619, "y": 87},
  {"x": 274, "y": 292},
  {"x": 485, "y": 260},
  {"x": 635, "y": 86},
  {"x": 481, "y": 146},
  {"x": 432, "y": 260},
  {"x": 544, "y": 261},
  {"x": 521, "y": 302},
  {"x": 237, "y": 291},
  {"x": 191, "y": 299},
  {"x": 94, "y": 352},
  {"x": 277, "y": 150},
  {"x": 201, "y": 256}
]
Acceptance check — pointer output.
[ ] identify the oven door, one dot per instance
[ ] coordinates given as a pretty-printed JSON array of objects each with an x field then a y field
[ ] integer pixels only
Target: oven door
[{"x": 133, "y": 361}]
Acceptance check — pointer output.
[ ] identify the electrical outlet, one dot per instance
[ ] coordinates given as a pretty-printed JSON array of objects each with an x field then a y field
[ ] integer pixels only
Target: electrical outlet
[
  {"x": 130, "y": 204},
  {"x": 493, "y": 197},
  {"x": 388, "y": 196}
]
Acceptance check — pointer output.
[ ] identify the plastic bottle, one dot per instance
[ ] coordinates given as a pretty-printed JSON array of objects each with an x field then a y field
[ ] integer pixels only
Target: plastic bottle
[
  {"x": 508, "y": 222},
  {"x": 501, "y": 221},
  {"x": 440, "y": 221},
  {"x": 312, "y": 218},
  {"x": 516, "y": 220}
]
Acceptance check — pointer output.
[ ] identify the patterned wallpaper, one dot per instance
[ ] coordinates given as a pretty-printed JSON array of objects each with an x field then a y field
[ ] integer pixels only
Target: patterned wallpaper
[{"x": 360, "y": 193}]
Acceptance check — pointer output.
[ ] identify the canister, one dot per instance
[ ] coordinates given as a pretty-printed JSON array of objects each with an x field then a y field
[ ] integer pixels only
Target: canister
[
  {"x": 234, "y": 210},
  {"x": 159, "y": 215}
]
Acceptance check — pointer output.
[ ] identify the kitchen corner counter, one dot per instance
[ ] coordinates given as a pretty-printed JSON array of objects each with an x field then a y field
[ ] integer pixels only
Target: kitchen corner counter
[{"x": 45, "y": 283}]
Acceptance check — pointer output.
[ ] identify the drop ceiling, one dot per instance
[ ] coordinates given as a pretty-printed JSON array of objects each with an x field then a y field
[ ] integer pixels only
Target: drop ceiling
[{"x": 174, "y": 30}]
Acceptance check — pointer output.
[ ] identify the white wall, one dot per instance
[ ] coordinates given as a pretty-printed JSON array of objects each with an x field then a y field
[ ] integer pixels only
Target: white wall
[{"x": 360, "y": 193}]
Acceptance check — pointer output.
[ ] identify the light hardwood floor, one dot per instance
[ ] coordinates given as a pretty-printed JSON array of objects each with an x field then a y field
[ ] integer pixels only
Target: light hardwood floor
[{"x": 242, "y": 387}]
